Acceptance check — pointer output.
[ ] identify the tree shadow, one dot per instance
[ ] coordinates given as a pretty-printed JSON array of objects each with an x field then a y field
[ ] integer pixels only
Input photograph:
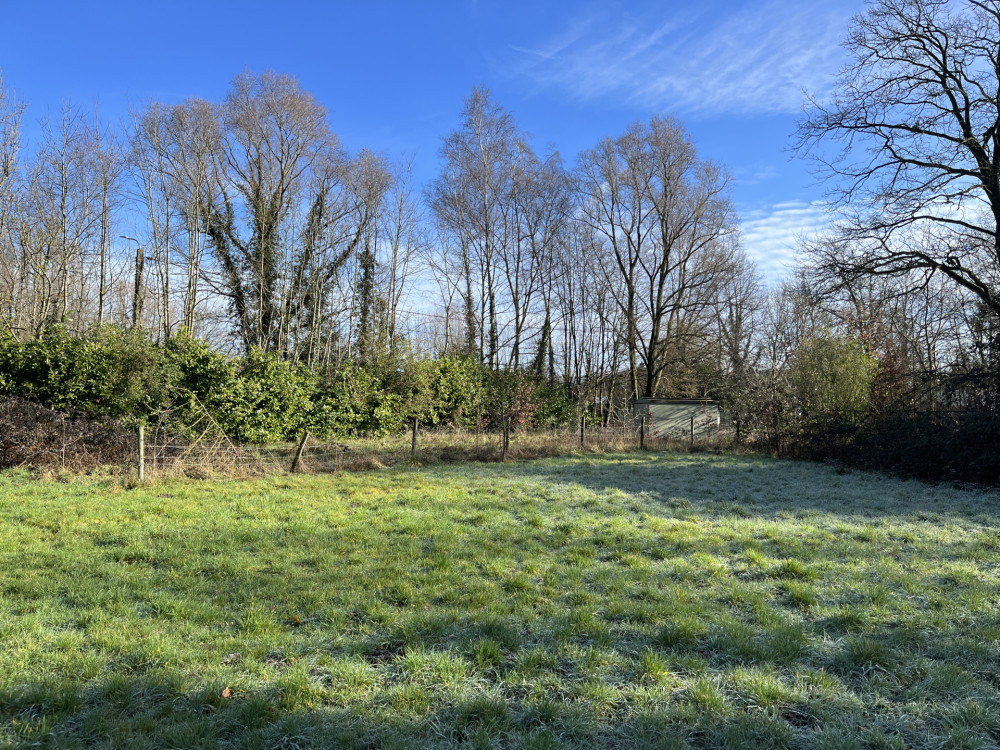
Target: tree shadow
[{"x": 761, "y": 486}]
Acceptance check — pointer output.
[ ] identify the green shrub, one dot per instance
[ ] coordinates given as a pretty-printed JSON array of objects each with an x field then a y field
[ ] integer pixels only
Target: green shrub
[
  {"x": 202, "y": 371},
  {"x": 257, "y": 398},
  {"x": 261, "y": 398},
  {"x": 832, "y": 378},
  {"x": 457, "y": 392},
  {"x": 341, "y": 403},
  {"x": 110, "y": 372},
  {"x": 555, "y": 407},
  {"x": 271, "y": 399},
  {"x": 406, "y": 391}
]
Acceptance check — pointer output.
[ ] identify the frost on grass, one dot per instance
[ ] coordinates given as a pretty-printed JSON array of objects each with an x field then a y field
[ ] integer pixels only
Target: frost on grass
[{"x": 616, "y": 601}]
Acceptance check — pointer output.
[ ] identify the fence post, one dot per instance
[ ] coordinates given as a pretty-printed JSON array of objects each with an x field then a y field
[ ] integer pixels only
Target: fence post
[
  {"x": 504, "y": 428},
  {"x": 642, "y": 434},
  {"x": 299, "y": 450},
  {"x": 692, "y": 431},
  {"x": 583, "y": 418},
  {"x": 737, "y": 431},
  {"x": 142, "y": 451},
  {"x": 413, "y": 440}
]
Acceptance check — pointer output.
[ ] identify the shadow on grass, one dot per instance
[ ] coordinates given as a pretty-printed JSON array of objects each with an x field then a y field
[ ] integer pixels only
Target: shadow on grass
[
  {"x": 294, "y": 710},
  {"x": 154, "y": 712},
  {"x": 755, "y": 485},
  {"x": 151, "y": 713},
  {"x": 741, "y": 707}
]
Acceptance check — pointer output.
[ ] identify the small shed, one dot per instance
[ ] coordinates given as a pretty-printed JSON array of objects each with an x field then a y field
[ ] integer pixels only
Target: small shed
[{"x": 679, "y": 417}]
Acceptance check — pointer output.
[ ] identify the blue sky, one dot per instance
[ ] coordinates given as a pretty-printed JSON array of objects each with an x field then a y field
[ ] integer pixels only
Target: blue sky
[{"x": 394, "y": 74}]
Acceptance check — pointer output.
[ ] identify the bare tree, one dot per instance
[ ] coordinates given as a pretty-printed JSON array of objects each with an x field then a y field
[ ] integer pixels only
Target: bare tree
[
  {"x": 192, "y": 141},
  {"x": 614, "y": 207},
  {"x": 541, "y": 207},
  {"x": 737, "y": 311},
  {"x": 547, "y": 223},
  {"x": 273, "y": 136},
  {"x": 590, "y": 328},
  {"x": 473, "y": 199},
  {"x": 438, "y": 259},
  {"x": 911, "y": 143},
  {"x": 107, "y": 168},
  {"x": 11, "y": 268},
  {"x": 402, "y": 240},
  {"x": 154, "y": 182},
  {"x": 58, "y": 220},
  {"x": 665, "y": 218}
]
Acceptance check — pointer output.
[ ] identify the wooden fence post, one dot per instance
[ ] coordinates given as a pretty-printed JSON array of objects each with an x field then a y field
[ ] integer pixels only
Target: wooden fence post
[
  {"x": 737, "y": 431},
  {"x": 506, "y": 438},
  {"x": 642, "y": 434},
  {"x": 692, "y": 431},
  {"x": 583, "y": 419},
  {"x": 299, "y": 450},
  {"x": 142, "y": 451},
  {"x": 413, "y": 440}
]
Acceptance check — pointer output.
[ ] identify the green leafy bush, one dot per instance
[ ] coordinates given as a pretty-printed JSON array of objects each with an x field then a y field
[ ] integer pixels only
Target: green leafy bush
[
  {"x": 203, "y": 372},
  {"x": 261, "y": 398},
  {"x": 555, "y": 407},
  {"x": 272, "y": 399},
  {"x": 111, "y": 372},
  {"x": 457, "y": 392},
  {"x": 341, "y": 403},
  {"x": 832, "y": 378},
  {"x": 256, "y": 398}
]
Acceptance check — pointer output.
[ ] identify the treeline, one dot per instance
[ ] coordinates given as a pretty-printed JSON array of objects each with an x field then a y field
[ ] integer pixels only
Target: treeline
[
  {"x": 233, "y": 256},
  {"x": 872, "y": 373},
  {"x": 245, "y": 222}
]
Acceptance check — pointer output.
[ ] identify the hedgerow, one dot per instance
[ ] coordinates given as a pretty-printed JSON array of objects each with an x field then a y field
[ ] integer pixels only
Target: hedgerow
[{"x": 259, "y": 397}]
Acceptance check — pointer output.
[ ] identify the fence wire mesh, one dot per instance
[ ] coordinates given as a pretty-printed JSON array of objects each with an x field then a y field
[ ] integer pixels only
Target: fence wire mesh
[
  {"x": 185, "y": 440},
  {"x": 211, "y": 452}
]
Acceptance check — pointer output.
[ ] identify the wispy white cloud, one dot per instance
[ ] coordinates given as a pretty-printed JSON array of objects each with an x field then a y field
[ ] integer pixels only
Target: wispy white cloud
[
  {"x": 755, "y": 57},
  {"x": 771, "y": 235},
  {"x": 754, "y": 174}
]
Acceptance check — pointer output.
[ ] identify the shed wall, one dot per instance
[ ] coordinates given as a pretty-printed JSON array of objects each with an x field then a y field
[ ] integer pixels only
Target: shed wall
[{"x": 674, "y": 420}]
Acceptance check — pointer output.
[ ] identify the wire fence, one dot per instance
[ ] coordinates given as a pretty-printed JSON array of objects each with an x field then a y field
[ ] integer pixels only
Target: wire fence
[
  {"x": 185, "y": 440},
  {"x": 213, "y": 454}
]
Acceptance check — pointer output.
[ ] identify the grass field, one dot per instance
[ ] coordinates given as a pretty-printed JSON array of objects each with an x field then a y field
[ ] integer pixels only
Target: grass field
[{"x": 632, "y": 600}]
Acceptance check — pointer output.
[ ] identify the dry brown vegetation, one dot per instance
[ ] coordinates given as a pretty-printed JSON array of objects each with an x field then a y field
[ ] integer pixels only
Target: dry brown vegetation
[
  {"x": 36, "y": 437},
  {"x": 462, "y": 446}
]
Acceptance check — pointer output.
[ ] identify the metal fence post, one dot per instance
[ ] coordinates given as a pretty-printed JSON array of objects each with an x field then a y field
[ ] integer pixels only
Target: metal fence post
[{"x": 692, "y": 430}]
